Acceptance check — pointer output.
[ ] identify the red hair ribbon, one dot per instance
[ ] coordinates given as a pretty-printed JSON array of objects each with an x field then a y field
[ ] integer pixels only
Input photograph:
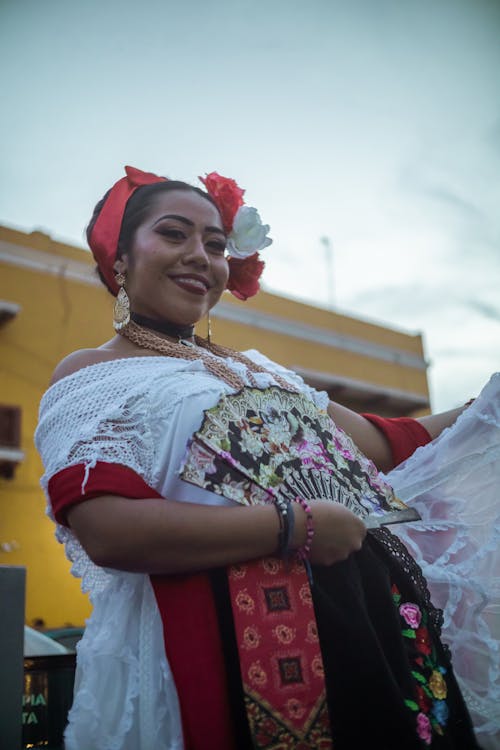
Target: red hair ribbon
[{"x": 106, "y": 230}]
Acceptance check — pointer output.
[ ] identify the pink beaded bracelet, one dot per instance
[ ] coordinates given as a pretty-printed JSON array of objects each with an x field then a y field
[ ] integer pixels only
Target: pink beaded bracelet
[{"x": 303, "y": 552}]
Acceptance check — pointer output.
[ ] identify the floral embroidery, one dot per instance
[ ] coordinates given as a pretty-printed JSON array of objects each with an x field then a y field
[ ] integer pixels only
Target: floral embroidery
[
  {"x": 251, "y": 637},
  {"x": 280, "y": 681},
  {"x": 284, "y": 634},
  {"x": 317, "y": 667},
  {"x": 423, "y": 641},
  {"x": 297, "y": 565},
  {"x": 305, "y": 594},
  {"x": 437, "y": 685},
  {"x": 271, "y": 565},
  {"x": 424, "y": 730},
  {"x": 428, "y": 702},
  {"x": 256, "y": 674},
  {"x": 440, "y": 712},
  {"x": 295, "y": 708},
  {"x": 245, "y": 602},
  {"x": 411, "y": 614},
  {"x": 237, "y": 571},
  {"x": 423, "y": 699},
  {"x": 312, "y": 632}
]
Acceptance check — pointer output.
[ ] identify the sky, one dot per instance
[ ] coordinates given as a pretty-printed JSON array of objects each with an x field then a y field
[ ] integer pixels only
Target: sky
[{"x": 373, "y": 125}]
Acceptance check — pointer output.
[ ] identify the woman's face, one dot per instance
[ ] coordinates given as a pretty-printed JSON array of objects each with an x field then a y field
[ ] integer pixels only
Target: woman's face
[{"x": 176, "y": 269}]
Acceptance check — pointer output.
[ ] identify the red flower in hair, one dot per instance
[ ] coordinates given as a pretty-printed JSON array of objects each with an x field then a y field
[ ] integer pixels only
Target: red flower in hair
[
  {"x": 227, "y": 195},
  {"x": 244, "y": 275}
]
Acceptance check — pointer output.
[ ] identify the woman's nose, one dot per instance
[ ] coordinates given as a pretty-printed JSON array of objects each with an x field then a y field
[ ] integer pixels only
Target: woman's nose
[{"x": 196, "y": 251}]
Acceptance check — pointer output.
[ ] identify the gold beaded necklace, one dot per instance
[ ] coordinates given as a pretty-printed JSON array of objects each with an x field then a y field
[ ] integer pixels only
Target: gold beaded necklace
[{"x": 212, "y": 355}]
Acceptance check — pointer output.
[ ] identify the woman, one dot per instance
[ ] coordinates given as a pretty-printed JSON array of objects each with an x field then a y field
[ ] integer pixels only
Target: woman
[{"x": 230, "y": 609}]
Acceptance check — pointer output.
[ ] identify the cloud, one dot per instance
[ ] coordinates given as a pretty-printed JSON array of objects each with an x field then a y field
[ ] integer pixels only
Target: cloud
[
  {"x": 419, "y": 178},
  {"x": 452, "y": 189},
  {"x": 451, "y": 199},
  {"x": 483, "y": 308},
  {"x": 404, "y": 300}
]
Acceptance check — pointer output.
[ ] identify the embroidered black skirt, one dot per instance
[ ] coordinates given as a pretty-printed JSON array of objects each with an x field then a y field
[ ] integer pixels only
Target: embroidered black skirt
[{"x": 389, "y": 678}]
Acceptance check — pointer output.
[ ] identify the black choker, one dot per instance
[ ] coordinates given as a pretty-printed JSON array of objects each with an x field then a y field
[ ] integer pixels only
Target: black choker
[{"x": 163, "y": 326}]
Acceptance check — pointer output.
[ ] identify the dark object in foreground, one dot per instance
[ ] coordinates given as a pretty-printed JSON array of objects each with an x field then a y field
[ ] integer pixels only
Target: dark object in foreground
[{"x": 48, "y": 695}]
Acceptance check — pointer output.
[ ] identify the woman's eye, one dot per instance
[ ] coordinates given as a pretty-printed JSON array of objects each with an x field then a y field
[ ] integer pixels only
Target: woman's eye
[
  {"x": 217, "y": 247},
  {"x": 175, "y": 235}
]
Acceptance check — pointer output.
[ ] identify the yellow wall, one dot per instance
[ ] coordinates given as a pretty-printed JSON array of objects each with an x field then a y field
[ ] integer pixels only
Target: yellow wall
[
  {"x": 58, "y": 315},
  {"x": 314, "y": 356}
]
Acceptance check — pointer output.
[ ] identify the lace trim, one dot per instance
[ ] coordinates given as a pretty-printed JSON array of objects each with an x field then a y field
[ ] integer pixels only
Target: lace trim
[{"x": 400, "y": 556}]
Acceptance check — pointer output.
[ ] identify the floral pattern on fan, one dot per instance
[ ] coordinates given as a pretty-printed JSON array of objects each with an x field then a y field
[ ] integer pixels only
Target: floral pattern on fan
[{"x": 257, "y": 444}]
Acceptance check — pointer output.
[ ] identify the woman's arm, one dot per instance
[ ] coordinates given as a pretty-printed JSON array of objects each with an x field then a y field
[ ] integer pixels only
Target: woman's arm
[
  {"x": 367, "y": 437},
  {"x": 163, "y": 536},
  {"x": 372, "y": 441},
  {"x": 436, "y": 423}
]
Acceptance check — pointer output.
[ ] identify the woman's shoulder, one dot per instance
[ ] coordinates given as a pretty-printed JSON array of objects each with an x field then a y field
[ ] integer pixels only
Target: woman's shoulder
[
  {"x": 78, "y": 360},
  {"x": 115, "y": 351},
  {"x": 117, "y": 348}
]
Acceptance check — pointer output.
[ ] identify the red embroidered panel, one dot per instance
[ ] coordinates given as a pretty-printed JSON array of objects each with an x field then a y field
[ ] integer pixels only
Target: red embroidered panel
[{"x": 280, "y": 657}]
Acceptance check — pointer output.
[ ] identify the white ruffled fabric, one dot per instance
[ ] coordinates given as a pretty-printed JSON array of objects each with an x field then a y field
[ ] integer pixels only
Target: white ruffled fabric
[
  {"x": 455, "y": 484},
  {"x": 125, "y": 696},
  {"x": 138, "y": 412}
]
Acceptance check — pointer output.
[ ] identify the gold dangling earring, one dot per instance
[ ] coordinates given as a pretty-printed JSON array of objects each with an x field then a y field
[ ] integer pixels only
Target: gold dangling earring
[
  {"x": 121, "y": 310},
  {"x": 209, "y": 329}
]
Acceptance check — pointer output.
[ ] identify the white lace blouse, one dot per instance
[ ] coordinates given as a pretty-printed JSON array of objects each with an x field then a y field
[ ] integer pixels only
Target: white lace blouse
[{"x": 140, "y": 413}]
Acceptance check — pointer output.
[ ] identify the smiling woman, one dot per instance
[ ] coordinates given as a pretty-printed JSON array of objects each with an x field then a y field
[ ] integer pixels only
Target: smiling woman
[
  {"x": 176, "y": 269},
  {"x": 215, "y": 507}
]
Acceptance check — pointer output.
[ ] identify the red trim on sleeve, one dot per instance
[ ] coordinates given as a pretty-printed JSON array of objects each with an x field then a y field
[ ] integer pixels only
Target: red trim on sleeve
[
  {"x": 403, "y": 434},
  {"x": 65, "y": 487}
]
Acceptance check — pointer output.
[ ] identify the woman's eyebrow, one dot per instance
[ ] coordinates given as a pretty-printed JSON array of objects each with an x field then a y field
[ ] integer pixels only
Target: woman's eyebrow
[
  {"x": 177, "y": 217},
  {"x": 188, "y": 223}
]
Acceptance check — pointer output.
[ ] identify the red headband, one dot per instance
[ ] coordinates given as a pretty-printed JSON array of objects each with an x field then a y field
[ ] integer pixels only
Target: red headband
[
  {"x": 244, "y": 273},
  {"x": 106, "y": 230}
]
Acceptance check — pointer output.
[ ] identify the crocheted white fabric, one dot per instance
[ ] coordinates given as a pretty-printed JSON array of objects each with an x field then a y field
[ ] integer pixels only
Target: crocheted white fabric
[
  {"x": 138, "y": 412},
  {"x": 454, "y": 482}
]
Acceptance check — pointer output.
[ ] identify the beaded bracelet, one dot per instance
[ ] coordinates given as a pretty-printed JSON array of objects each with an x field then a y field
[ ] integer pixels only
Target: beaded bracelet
[
  {"x": 287, "y": 524},
  {"x": 303, "y": 552}
]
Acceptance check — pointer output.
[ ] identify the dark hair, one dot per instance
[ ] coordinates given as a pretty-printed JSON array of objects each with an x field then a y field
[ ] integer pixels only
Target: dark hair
[{"x": 137, "y": 209}]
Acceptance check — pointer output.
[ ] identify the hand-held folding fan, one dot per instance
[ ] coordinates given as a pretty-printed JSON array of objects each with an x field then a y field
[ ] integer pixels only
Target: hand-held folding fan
[{"x": 257, "y": 444}]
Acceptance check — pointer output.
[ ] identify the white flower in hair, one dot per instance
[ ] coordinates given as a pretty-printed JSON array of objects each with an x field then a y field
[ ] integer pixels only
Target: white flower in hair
[{"x": 248, "y": 235}]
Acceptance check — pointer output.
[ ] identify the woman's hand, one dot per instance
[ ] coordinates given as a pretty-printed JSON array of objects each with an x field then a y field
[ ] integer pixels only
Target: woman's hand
[{"x": 337, "y": 531}]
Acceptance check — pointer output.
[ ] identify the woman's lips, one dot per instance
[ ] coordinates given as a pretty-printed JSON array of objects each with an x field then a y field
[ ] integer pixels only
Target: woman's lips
[{"x": 191, "y": 284}]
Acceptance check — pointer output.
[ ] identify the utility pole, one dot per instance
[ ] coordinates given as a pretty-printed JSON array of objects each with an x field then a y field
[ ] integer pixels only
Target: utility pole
[{"x": 327, "y": 244}]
